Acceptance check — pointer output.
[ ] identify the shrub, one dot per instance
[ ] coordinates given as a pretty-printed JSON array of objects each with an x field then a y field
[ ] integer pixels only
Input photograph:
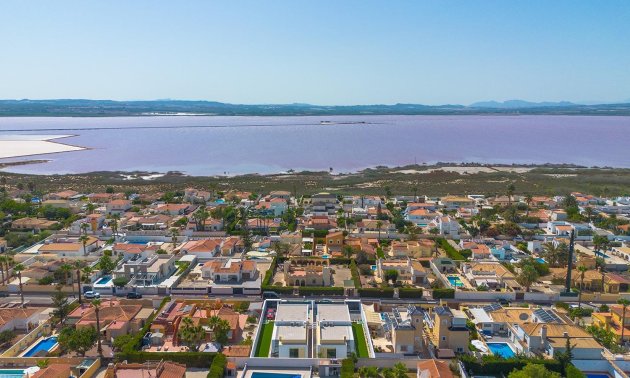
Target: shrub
[
  {"x": 443, "y": 293},
  {"x": 347, "y": 368},
  {"x": 340, "y": 261},
  {"x": 190, "y": 359},
  {"x": 217, "y": 369}
]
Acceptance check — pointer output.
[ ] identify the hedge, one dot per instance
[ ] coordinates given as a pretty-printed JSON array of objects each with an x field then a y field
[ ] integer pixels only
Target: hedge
[
  {"x": 355, "y": 275},
  {"x": 493, "y": 365},
  {"x": 279, "y": 289},
  {"x": 340, "y": 261},
  {"x": 370, "y": 292},
  {"x": 320, "y": 290},
  {"x": 452, "y": 252},
  {"x": 404, "y": 292},
  {"x": 347, "y": 368},
  {"x": 443, "y": 293},
  {"x": 217, "y": 369}
]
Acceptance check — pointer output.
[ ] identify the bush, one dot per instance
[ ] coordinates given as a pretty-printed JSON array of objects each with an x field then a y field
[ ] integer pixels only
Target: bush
[
  {"x": 355, "y": 275},
  {"x": 347, "y": 368},
  {"x": 409, "y": 293},
  {"x": 217, "y": 369},
  {"x": 340, "y": 261},
  {"x": 573, "y": 372},
  {"x": 320, "y": 290},
  {"x": 279, "y": 289},
  {"x": 443, "y": 293},
  {"x": 369, "y": 292}
]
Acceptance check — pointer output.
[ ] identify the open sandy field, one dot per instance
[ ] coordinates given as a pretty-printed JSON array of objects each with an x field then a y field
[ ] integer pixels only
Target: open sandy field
[{"x": 26, "y": 145}]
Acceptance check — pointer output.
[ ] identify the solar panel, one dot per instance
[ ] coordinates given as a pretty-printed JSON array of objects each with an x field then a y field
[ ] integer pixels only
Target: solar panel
[
  {"x": 547, "y": 316},
  {"x": 492, "y": 307}
]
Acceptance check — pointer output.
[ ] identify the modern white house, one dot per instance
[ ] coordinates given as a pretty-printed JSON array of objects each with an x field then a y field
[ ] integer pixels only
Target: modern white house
[
  {"x": 290, "y": 336},
  {"x": 334, "y": 331}
]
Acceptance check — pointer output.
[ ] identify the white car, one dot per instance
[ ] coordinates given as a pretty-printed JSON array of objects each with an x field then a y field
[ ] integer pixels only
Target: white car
[{"x": 91, "y": 295}]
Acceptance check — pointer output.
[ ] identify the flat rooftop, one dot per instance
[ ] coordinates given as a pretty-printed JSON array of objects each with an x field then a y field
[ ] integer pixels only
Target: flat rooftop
[
  {"x": 290, "y": 333},
  {"x": 292, "y": 312},
  {"x": 333, "y": 313}
]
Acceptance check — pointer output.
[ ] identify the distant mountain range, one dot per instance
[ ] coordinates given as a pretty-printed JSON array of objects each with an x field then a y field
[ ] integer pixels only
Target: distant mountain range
[
  {"x": 110, "y": 108},
  {"x": 520, "y": 104}
]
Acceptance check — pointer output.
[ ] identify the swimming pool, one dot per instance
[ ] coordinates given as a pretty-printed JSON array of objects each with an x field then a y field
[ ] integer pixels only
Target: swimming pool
[
  {"x": 103, "y": 280},
  {"x": 274, "y": 375},
  {"x": 11, "y": 373},
  {"x": 601, "y": 254},
  {"x": 597, "y": 376},
  {"x": 373, "y": 267},
  {"x": 541, "y": 260},
  {"x": 501, "y": 349},
  {"x": 455, "y": 281},
  {"x": 46, "y": 344}
]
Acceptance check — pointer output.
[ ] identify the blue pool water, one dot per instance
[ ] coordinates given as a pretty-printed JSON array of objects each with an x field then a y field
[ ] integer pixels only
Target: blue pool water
[
  {"x": 501, "y": 349},
  {"x": 541, "y": 260},
  {"x": 601, "y": 254},
  {"x": 46, "y": 344},
  {"x": 274, "y": 375},
  {"x": 11, "y": 373},
  {"x": 103, "y": 280},
  {"x": 597, "y": 376},
  {"x": 455, "y": 281},
  {"x": 373, "y": 267},
  {"x": 325, "y": 256}
]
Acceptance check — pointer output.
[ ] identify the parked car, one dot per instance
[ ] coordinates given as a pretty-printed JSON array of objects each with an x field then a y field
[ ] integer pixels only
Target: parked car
[
  {"x": 91, "y": 295},
  {"x": 134, "y": 295},
  {"x": 270, "y": 295}
]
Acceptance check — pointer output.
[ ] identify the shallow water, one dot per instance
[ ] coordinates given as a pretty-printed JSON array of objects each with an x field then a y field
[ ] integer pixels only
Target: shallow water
[{"x": 203, "y": 145}]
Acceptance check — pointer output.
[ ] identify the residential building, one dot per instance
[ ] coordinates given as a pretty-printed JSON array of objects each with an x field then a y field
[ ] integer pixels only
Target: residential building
[
  {"x": 290, "y": 331},
  {"x": 334, "y": 331},
  {"x": 449, "y": 329},
  {"x": 407, "y": 330}
]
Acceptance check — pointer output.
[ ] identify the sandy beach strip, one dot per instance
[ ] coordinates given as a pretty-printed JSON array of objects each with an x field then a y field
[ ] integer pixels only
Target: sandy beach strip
[{"x": 12, "y": 146}]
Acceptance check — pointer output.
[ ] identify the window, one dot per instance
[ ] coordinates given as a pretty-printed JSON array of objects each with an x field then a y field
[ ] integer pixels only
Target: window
[
  {"x": 331, "y": 353},
  {"x": 403, "y": 348},
  {"x": 460, "y": 350},
  {"x": 294, "y": 353},
  {"x": 443, "y": 338}
]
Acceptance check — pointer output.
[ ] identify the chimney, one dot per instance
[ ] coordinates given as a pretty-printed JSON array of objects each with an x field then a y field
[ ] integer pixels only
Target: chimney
[{"x": 543, "y": 332}]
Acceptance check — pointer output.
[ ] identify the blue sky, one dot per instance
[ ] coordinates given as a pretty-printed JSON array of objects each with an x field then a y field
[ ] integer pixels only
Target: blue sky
[{"x": 323, "y": 52}]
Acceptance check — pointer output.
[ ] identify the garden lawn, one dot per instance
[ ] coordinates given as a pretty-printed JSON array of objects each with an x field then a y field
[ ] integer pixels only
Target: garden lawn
[
  {"x": 359, "y": 338},
  {"x": 264, "y": 342}
]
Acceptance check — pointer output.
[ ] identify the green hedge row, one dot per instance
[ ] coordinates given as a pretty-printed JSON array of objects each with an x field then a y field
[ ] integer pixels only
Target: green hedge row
[
  {"x": 450, "y": 251},
  {"x": 279, "y": 289},
  {"x": 369, "y": 292},
  {"x": 356, "y": 278},
  {"x": 493, "y": 365},
  {"x": 404, "y": 292},
  {"x": 320, "y": 290},
  {"x": 217, "y": 369},
  {"x": 443, "y": 293}
]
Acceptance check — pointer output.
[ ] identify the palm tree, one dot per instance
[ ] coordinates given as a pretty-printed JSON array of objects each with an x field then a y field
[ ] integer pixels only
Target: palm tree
[
  {"x": 528, "y": 201},
  {"x": 18, "y": 269},
  {"x": 601, "y": 263},
  {"x": 8, "y": 261},
  {"x": 174, "y": 234},
  {"x": 66, "y": 269},
  {"x": 582, "y": 269},
  {"x": 114, "y": 224},
  {"x": 556, "y": 255},
  {"x": 78, "y": 265},
  {"x": 90, "y": 207},
  {"x": 97, "y": 308},
  {"x": 510, "y": 191},
  {"x": 200, "y": 217},
  {"x": 589, "y": 213},
  {"x": 624, "y": 303},
  {"x": 84, "y": 239},
  {"x": 379, "y": 224}
]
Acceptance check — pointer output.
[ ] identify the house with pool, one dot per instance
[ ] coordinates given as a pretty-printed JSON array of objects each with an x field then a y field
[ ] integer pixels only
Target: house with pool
[{"x": 548, "y": 339}]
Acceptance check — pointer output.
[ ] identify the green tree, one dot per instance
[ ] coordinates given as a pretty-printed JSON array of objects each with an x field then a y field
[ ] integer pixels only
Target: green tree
[
  {"x": 368, "y": 372},
  {"x": 624, "y": 304},
  {"x": 527, "y": 276},
  {"x": 220, "y": 329},
  {"x": 190, "y": 334},
  {"x": 18, "y": 269},
  {"x": 534, "y": 370},
  {"x": 78, "y": 266},
  {"x": 400, "y": 370},
  {"x": 7, "y": 336},
  {"x": 97, "y": 309},
  {"x": 84, "y": 239},
  {"x": 106, "y": 264},
  {"x": 582, "y": 269},
  {"x": 77, "y": 340},
  {"x": 61, "y": 306},
  {"x": 565, "y": 356},
  {"x": 391, "y": 275}
]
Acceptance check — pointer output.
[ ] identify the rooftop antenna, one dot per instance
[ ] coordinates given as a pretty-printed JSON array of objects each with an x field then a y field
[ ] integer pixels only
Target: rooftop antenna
[{"x": 567, "y": 288}]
